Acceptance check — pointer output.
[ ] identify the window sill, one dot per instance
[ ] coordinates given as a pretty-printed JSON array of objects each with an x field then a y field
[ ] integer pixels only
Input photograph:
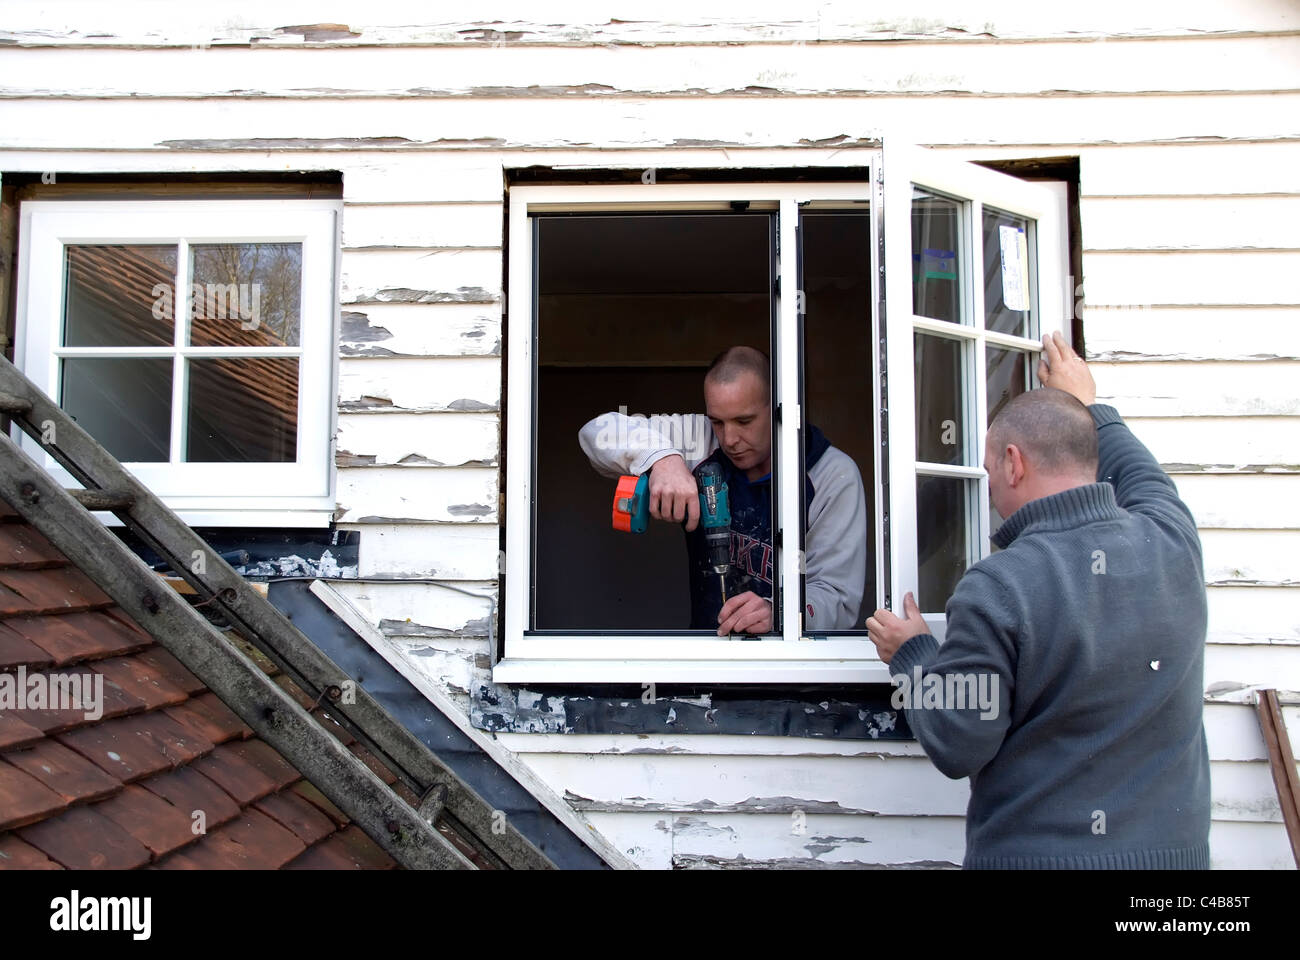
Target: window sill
[
  {"x": 774, "y": 671},
  {"x": 260, "y": 517}
]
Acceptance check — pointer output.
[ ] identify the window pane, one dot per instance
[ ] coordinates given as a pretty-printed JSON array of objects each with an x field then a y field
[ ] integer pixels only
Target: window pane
[
  {"x": 245, "y": 294},
  {"x": 939, "y": 436},
  {"x": 1008, "y": 372},
  {"x": 936, "y": 229},
  {"x": 1006, "y": 272},
  {"x": 125, "y": 404},
  {"x": 839, "y": 390},
  {"x": 941, "y": 537},
  {"x": 119, "y": 296},
  {"x": 243, "y": 410}
]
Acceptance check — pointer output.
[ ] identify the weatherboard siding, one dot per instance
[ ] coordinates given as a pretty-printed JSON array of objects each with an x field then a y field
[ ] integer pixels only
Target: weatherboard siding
[{"x": 1183, "y": 121}]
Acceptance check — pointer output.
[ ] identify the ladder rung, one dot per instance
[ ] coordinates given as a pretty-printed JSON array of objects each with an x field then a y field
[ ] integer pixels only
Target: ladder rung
[
  {"x": 102, "y": 499},
  {"x": 9, "y": 403}
]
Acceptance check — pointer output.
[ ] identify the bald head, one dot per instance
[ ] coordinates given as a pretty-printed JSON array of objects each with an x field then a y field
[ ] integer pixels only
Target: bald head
[
  {"x": 732, "y": 363},
  {"x": 1053, "y": 430}
]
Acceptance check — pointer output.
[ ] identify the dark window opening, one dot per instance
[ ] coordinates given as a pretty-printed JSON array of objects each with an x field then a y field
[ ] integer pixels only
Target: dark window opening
[{"x": 630, "y": 311}]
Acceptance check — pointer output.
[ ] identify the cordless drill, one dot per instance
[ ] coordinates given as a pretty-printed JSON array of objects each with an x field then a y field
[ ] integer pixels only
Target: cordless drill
[
  {"x": 631, "y": 514},
  {"x": 715, "y": 518}
]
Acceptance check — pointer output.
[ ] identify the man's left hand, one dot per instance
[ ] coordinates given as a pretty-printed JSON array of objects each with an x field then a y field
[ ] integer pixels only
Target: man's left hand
[
  {"x": 888, "y": 632},
  {"x": 745, "y": 613}
]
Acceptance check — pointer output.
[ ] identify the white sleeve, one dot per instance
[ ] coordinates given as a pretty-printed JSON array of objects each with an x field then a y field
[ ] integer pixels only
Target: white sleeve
[
  {"x": 835, "y": 549},
  {"x": 618, "y": 444}
]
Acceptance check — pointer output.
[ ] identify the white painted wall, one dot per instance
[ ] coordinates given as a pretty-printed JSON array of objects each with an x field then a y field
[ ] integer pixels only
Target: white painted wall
[{"x": 1183, "y": 117}]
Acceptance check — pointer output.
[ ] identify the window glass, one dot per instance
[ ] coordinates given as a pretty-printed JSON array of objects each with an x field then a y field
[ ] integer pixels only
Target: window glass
[
  {"x": 936, "y": 247},
  {"x": 1007, "y": 376},
  {"x": 1006, "y": 272},
  {"x": 839, "y": 346},
  {"x": 939, "y": 399},
  {"x": 942, "y": 518},
  {"x": 242, "y": 409},
  {"x": 123, "y": 402},
  {"x": 119, "y": 295},
  {"x": 251, "y": 294}
]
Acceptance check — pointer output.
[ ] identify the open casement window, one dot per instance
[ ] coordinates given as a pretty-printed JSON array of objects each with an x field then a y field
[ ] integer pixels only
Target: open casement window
[
  {"x": 194, "y": 340},
  {"x": 969, "y": 298},
  {"x": 619, "y": 297}
]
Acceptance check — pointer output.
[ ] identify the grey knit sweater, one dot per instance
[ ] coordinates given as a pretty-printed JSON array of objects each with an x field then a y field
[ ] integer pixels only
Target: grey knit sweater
[{"x": 1091, "y": 622}]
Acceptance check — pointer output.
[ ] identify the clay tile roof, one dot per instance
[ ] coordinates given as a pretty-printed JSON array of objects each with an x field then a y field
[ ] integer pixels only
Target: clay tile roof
[{"x": 166, "y": 776}]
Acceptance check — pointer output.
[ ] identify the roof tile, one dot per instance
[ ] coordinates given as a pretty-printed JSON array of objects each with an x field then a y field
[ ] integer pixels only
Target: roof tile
[
  {"x": 141, "y": 680},
  {"x": 15, "y": 732},
  {"x": 294, "y": 813},
  {"x": 16, "y": 855},
  {"x": 82, "y": 839},
  {"x": 308, "y": 791},
  {"x": 150, "y": 819},
  {"x": 349, "y": 849},
  {"x": 61, "y": 590},
  {"x": 171, "y": 669},
  {"x": 23, "y": 546},
  {"x": 67, "y": 773},
  {"x": 251, "y": 841},
  {"x": 113, "y": 702},
  {"x": 229, "y": 767},
  {"x": 191, "y": 792},
  {"x": 334, "y": 727},
  {"x": 78, "y": 636},
  {"x": 122, "y": 748},
  {"x": 16, "y": 650},
  {"x": 180, "y": 744},
  {"x": 208, "y": 716},
  {"x": 24, "y": 799},
  {"x": 369, "y": 759},
  {"x": 297, "y": 692}
]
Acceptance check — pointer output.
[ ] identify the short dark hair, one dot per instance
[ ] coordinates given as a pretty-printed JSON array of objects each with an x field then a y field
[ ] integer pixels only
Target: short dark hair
[
  {"x": 1052, "y": 427},
  {"x": 732, "y": 362}
]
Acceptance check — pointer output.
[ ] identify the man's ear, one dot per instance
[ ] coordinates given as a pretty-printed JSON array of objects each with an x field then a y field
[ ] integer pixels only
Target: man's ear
[{"x": 1016, "y": 462}]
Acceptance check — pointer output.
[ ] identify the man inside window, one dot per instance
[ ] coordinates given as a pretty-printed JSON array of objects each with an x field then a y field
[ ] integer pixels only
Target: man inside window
[
  {"x": 736, "y": 434},
  {"x": 1089, "y": 630}
]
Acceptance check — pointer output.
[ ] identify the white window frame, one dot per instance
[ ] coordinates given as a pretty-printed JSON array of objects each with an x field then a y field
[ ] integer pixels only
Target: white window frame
[
  {"x": 298, "y": 494},
  {"x": 976, "y": 187},
  {"x": 789, "y": 656}
]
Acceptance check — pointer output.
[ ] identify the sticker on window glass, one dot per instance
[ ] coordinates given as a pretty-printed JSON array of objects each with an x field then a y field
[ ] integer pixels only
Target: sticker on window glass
[
  {"x": 1015, "y": 279},
  {"x": 938, "y": 264}
]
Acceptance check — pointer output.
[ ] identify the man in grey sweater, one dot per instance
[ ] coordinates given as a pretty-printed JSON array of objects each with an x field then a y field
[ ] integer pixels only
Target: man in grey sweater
[{"x": 1089, "y": 629}]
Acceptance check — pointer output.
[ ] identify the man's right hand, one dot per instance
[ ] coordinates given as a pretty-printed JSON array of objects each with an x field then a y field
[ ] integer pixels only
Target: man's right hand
[
  {"x": 1060, "y": 367},
  {"x": 673, "y": 493}
]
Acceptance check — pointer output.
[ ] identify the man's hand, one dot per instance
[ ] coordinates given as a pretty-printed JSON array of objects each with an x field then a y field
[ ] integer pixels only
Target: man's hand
[
  {"x": 1060, "y": 367},
  {"x": 673, "y": 493},
  {"x": 745, "y": 613},
  {"x": 889, "y": 633}
]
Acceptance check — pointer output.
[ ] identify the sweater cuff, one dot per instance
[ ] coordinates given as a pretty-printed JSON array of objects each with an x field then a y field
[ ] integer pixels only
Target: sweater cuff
[
  {"x": 1104, "y": 413},
  {"x": 920, "y": 649},
  {"x": 644, "y": 464}
]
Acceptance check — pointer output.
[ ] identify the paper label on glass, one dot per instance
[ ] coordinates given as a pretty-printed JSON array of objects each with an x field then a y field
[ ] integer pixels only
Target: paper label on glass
[{"x": 1015, "y": 278}]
